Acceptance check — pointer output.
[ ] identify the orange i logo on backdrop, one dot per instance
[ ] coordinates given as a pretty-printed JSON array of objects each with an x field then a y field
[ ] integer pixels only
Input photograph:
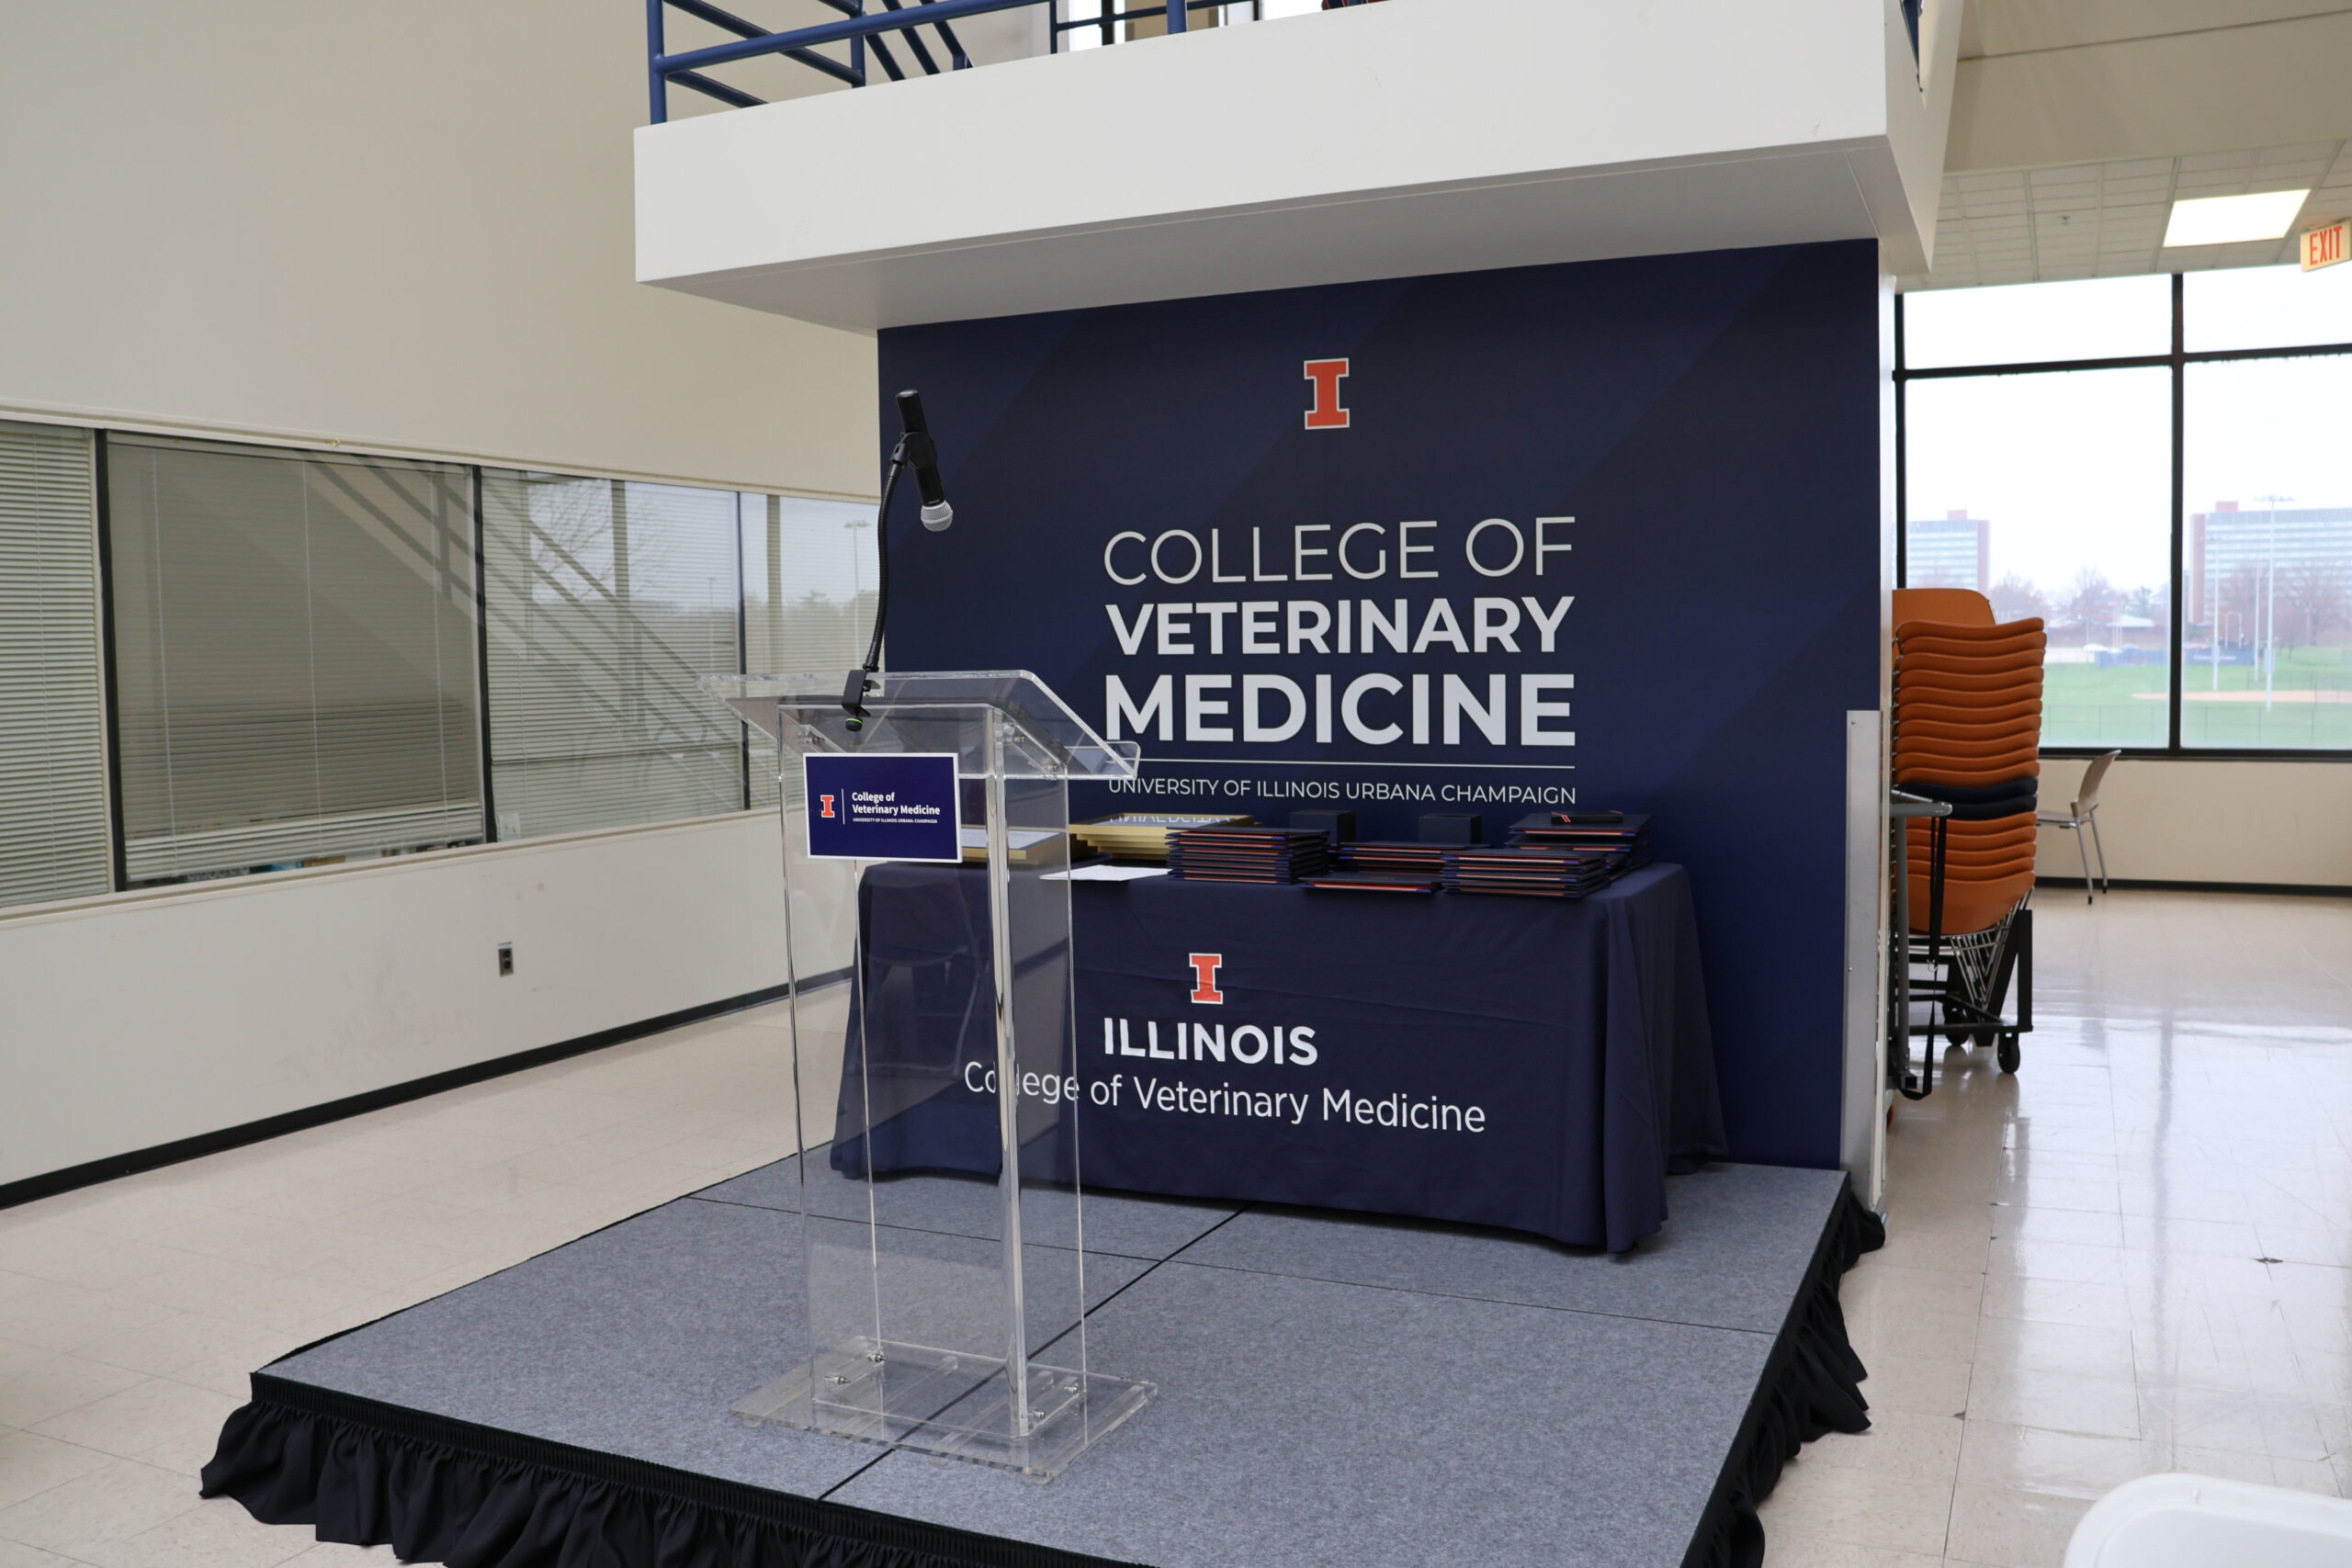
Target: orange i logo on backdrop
[
  {"x": 2325, "y": 247},
  {"x": 1327, "y": 413}
]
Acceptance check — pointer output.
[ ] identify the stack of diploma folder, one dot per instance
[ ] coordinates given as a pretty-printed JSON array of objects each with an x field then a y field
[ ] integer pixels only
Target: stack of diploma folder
[
  {"x": 1247, "y": 855},
  {"x": 1536, "y": 871},
  {"x": 1377, "y": 867},
  {"x": 1622, "y": 836}
]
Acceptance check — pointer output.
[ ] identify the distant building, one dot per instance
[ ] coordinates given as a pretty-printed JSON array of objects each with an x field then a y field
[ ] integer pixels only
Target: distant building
[
  {"x": 2227, "y": 541},
  {"x": 1951, "y": 551}
]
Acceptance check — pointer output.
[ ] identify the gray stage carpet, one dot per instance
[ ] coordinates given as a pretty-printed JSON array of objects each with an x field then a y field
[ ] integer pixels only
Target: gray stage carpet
[{"x": 1334, "y": 1391}]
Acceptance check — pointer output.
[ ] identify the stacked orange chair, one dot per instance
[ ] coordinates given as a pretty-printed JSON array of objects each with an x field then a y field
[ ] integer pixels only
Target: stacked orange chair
[{"x": 1967, "y": 732}]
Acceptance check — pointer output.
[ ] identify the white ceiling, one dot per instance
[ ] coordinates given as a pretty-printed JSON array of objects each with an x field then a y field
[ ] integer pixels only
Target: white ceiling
[
  {"x": 1993, "y": 30},
  {"x": 2105, "y": 220},
  {"x": 2150, "y": 88}
]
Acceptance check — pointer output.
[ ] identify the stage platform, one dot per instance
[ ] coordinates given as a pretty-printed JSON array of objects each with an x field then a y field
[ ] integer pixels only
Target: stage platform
[{"x": 1335, "y": 1391}]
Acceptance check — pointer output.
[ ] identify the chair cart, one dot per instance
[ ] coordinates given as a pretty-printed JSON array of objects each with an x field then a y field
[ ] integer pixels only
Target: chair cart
[{"x": 1964, "y": 977}]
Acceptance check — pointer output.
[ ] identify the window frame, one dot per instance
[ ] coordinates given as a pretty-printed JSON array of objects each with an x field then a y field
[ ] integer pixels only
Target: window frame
[
  {"x": 102, "y": 437},
  {"x": 2178, "y": 360}
]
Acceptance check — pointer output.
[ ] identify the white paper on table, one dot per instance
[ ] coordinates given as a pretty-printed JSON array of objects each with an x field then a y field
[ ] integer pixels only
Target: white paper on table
[
  {"x": 1019, "y": 838},
  {"x": 1104, "y": 874}
]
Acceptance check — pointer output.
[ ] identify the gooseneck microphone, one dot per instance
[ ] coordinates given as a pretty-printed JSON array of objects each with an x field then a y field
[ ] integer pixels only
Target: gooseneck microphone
[
  {"x": 923, "y": 455},
  {"x": 915, "y": 450}
]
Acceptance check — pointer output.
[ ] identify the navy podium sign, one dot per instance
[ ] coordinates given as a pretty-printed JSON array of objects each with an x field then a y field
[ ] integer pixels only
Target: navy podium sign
[
  {"x": 1600, "y": 534},
  {"x": 887, "y": 806}
]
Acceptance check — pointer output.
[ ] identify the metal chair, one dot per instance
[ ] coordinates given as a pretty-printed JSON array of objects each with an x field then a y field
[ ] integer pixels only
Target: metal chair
[{"x": 2083, "y": 817}]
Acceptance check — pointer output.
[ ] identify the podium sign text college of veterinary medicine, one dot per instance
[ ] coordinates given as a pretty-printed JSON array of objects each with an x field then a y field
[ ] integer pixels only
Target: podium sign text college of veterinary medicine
[{"x": 884, "y": 807}]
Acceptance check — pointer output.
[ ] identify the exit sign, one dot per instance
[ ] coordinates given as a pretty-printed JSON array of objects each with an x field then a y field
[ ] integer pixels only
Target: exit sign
[{"x": 2325, "y": 247}]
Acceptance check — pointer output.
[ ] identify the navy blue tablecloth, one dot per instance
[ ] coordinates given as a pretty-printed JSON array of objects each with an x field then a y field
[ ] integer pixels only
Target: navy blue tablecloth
[{"x": 1511, "y": 1062}]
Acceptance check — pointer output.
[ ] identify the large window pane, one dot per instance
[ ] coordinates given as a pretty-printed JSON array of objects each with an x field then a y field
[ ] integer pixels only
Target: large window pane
[
  {"x": 2102, "y": 318},
  {"x": 608, "y": 600},
  {"x": 2266, "y": 306},
  {"x": 809, "y": 582},
  {"x": 2266, "y": 656},
  {"x": 2070, "y": 473},
  {"x": 295, "y": 669},
  {"x": 53, "y": 839}
]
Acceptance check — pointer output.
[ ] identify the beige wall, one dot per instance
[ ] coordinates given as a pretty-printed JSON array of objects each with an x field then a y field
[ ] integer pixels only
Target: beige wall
[
  {"x": 136, "y": 1021},
  {"x": 2280, "y": 822},
  {"x": 397, "y": 225},
  {"x": 404, "y": 226}
]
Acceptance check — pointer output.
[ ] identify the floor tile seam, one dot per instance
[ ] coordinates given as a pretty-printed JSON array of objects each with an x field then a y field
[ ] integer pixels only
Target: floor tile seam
[
  {"x": 1458, "y": 1296},
  {"x": 33, "y": 1428},
  {"x": 958, "y": 1235},
  {"x": 107, "y": 1459},
  {"x": 1154, "y": 1268}
]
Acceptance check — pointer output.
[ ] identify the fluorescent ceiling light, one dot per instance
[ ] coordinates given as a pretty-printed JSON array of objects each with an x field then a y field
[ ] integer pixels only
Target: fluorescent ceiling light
[{"x": 2227, "y": 219}]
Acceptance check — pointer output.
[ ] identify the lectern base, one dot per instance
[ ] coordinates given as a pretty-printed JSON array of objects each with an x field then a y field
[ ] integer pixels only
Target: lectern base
[{"x": 910, "y": 1396}]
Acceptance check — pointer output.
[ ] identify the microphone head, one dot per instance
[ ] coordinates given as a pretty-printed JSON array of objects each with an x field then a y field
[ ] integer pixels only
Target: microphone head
[{"x": 937, "y": 516}]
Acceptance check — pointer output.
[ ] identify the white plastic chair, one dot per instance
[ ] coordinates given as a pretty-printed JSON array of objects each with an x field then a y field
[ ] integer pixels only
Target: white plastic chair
[
  {"x": 2198, "y": 1521},
  {"x": 2081, "y": 820}
]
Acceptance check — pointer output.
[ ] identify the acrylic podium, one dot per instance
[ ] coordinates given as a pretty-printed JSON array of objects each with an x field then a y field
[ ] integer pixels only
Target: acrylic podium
[{"x": 945, "y": 1312}]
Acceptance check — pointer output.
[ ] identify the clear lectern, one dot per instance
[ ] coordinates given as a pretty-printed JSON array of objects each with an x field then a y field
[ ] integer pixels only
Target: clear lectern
[{"x": 945, "y": 1311}]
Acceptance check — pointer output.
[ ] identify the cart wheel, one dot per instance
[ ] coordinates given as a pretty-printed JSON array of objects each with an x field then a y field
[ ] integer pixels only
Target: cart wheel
[{"x": 2009, "y": 1052}]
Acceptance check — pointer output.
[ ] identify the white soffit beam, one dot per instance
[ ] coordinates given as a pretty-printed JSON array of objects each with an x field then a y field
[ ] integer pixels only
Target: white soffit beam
[{"x": 1380, "y": 140}]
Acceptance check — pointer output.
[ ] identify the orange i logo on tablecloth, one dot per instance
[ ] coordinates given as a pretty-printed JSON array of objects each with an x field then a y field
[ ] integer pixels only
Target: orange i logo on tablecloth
[{"x": 1205, "y": 968}]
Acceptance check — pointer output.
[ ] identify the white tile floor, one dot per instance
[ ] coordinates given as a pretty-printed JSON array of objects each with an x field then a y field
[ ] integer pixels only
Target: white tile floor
[
  {"x": 2134, "y": 1255},
  {"x": 130, "y": 1312}
]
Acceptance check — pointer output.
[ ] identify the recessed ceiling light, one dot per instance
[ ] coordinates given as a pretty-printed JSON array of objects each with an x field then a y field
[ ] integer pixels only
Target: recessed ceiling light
[{"x": 2227, "y": 219}]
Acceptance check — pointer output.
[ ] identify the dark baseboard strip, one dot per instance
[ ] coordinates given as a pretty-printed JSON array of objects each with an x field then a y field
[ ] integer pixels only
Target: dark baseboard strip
[
  {"x": 2296, "y": 889},
  {"x": 51, "y": 1183}
]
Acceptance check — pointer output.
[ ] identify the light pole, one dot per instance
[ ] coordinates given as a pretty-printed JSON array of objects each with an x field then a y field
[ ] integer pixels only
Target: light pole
[
  {"x": 2271, "y": 601},
  {"x": 856, "y": 570}
]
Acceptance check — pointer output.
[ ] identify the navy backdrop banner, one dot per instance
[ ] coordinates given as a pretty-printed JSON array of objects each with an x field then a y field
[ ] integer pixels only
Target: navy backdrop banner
[{"x": 1603, "y": 535}]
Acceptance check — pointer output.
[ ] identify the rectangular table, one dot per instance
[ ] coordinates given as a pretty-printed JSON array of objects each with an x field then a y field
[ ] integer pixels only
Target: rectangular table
[{"x": 1526, "y": 1063}]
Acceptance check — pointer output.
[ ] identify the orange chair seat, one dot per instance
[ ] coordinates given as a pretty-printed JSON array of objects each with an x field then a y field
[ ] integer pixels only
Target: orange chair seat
[
  {"x": 2011, "y": 685},
  {"x": 2025, "y": 662},
  {"x": 1963, "y": 778},
  {"x": 1964, "y": 866},
  {"x": 1930, "y": 764},
  {"x": 2020, "y": 747},
  {"x": 1968, "y": 631},
  {"x": 1955, "y": 606},
  {"x": 1972, "y": 864},
  {"x": 2008, "y": 832},
  {"x": 2012, "y": 732},
  {"x": 1958, "y": 647},
  {"x": 1977, "y": 907},
  {"x": 1967, "y": 707}
]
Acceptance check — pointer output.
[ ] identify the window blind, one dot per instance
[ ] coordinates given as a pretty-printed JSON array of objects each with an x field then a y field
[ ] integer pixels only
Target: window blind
[
  {"x": 54, "y": 834},
  {"x": 294, "y": 655},
  {"x": 608, "y": 600},
  {"x": 809, "y": 585}
]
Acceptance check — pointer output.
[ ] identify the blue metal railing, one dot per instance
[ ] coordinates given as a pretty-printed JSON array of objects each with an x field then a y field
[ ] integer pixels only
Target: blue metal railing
[{"x": 863, "y": 31}]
